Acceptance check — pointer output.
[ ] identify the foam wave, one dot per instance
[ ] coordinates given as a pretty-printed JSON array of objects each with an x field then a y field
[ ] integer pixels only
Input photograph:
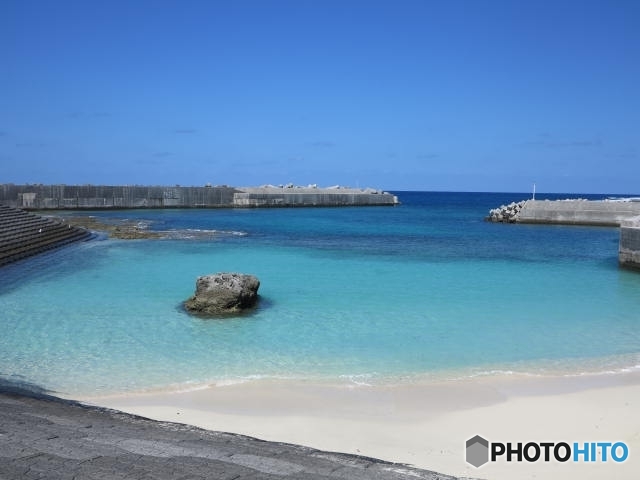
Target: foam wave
[
  {"x": 588, "y": 367},
  {"x": 201, "y": 234},
  {"x": 229, "y": 382},
  {"x": 225, "y": 382},
  {"x": 373, "y": 379},
  {"x": 360, "y": 380},
  {"x": 616, "y": 371}
]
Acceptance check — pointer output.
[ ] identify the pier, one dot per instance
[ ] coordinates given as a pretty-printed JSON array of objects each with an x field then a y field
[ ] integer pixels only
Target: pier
[
  {"x": 609, "y": 213},
  {"x": 578, "y": 212},
  {"x": 623, "y": 213}
]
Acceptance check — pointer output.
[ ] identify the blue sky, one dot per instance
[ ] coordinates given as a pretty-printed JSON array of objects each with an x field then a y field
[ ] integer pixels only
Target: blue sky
[{"x": 473, "y": 95}]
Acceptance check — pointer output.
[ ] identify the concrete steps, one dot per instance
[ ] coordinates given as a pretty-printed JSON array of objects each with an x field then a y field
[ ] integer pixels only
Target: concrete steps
[{"x": 24, "y": 234}]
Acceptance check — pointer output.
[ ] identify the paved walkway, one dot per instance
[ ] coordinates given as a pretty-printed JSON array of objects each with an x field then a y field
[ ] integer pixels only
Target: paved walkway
[{"x": 44, "y": 437}]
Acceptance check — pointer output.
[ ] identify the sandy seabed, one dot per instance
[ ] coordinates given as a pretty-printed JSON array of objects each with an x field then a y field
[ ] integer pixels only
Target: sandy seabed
[{"x": 425, "y": 425}]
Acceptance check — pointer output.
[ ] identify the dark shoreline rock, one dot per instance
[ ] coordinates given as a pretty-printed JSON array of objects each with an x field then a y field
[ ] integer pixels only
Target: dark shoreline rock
[
  {"x": 223, "y": 294},
  {"x": 127, "y": 230}
]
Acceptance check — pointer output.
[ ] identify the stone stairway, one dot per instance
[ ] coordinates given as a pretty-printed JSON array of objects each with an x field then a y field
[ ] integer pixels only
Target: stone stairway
[{"x": 24, "y": 234}]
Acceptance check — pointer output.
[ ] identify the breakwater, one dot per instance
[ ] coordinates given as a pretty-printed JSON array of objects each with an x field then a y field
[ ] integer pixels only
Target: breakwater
[
  {"x": 567, "y": 212},
  {"x": 90, "y": 197},
  {"x": 614, "y": 213},
  {"x": 629, "y": 250},
  {"x": 506, "y": 213}
]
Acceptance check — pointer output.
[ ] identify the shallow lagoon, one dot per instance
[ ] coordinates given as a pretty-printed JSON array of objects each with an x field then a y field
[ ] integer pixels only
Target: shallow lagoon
[{"x": 426, "y": 290}]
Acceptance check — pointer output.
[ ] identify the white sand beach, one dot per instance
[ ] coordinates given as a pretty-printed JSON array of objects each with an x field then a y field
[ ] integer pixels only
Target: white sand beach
[{"x": 422, "y": 425}]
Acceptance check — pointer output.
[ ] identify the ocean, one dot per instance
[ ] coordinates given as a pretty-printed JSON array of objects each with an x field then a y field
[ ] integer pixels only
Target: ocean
[{"x": 425, "y": 291}]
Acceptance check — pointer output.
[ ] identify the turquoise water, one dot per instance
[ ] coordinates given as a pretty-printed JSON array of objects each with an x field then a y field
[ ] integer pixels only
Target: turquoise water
[{"x": 426, "y": 290}]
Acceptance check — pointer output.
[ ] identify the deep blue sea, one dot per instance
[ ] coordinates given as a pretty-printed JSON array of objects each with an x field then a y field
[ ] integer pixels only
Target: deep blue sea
[{"x": 423, "y": 291}]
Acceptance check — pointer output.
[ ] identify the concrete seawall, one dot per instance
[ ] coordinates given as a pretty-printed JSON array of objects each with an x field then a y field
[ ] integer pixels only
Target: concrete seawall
[
  {"x": 292, "y": 197},
  {"x": 73, "y": 197},
  {"x": 629, "y": 251},
  {"x": 24, "y": 234},
  {"x": 625, "y": 214},
  {"x": 578, "y": 212}
]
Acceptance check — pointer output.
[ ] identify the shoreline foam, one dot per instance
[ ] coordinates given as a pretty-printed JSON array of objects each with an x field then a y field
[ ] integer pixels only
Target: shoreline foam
[{"x": 584, "y": 368}]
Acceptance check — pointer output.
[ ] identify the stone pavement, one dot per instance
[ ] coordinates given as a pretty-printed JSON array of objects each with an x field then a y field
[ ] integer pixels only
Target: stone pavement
[{"x": 45, "y": 437}]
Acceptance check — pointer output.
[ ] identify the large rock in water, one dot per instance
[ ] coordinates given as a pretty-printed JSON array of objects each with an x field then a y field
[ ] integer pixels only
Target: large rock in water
[{"x": 223, "y": 294}]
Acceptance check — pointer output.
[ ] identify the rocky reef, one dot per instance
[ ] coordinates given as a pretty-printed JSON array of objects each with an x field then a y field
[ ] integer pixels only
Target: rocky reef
[
  {"x": 124, "y": 230},
  {"x": 223, "y": 294}
]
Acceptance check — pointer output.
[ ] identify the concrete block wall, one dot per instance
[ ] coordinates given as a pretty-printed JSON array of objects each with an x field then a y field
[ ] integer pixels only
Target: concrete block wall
[
  {"x": 43, "y": 197},
  {"x": 277, "y": 197},
  {"x": 629, "y": 251}
]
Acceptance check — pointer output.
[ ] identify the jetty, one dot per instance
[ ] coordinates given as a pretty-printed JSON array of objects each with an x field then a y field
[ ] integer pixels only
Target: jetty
[
  {"x": 96, "y": 197},
  {"x": 623, "y": 213},
  {"x": 609, "y": 213}
]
